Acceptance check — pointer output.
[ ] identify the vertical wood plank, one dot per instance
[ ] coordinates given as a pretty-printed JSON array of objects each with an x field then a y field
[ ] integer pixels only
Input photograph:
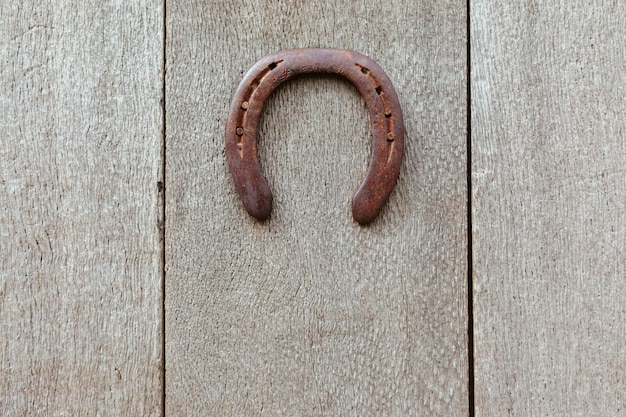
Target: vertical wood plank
[
  {"x": 80, "y": 281},
  {"x": 309, "y": 313},
  {"x": 549, "y": 207}
]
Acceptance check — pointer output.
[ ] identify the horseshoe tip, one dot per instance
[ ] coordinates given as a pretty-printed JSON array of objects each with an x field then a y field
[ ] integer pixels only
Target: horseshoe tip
[
  {"x": 262, "y": 214},
  {"x": 363, "y": 221},
  {"x": 363, "y": 213},
  {"x": 260, "y": 208}
]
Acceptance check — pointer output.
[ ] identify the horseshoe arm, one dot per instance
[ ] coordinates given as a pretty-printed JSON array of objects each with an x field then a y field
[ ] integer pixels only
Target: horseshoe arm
[{"x": 385, "y": 120}]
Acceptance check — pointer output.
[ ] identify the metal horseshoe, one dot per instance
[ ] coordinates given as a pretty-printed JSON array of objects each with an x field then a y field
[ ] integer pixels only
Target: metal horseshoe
[{"x": 382, "y": 104}]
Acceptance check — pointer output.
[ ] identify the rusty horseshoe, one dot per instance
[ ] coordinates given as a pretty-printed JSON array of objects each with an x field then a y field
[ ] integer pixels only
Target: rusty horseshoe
[{"x": 382, "y": 104}]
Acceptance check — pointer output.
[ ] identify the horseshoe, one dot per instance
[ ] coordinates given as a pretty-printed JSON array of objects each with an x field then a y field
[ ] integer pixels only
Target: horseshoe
[{"x": 382, "y": 104}]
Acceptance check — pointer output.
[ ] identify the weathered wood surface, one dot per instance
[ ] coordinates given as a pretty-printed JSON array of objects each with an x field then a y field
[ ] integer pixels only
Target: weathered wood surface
[
  {"x": 310, "y": 314},
  {"x": 80, "y": 286},
  {"x": 549, "y": 207}
]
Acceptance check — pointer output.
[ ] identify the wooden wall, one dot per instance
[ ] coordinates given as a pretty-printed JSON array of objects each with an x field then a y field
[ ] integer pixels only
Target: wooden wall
[
  {"x": 112, "y": 115},
  {"x": 80, "y": 252},
  {"x": 549, "y": 207},
  {"x": 310, "y": 313}
]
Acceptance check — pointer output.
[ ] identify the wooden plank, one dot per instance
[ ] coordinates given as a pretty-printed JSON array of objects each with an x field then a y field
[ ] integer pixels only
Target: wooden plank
[
  {"x": 80, "y": 286},
  {"x": 309, "y": 313},
  {"x": 549, "y": 212}
]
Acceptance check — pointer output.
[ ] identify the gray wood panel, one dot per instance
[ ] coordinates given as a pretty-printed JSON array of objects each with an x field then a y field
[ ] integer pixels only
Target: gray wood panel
[
  {"x": 309, "y": 313},
  {"x": 549, "y": 207},
  {"x": 80, "y": 281}
]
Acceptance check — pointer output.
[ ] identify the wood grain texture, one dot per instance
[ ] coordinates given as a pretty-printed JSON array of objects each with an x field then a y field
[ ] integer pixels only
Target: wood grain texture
[
  {"x": 80, "y": 283},
  {"x": 310, "y": 314},
  {"x": 549, "y": 207}
]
